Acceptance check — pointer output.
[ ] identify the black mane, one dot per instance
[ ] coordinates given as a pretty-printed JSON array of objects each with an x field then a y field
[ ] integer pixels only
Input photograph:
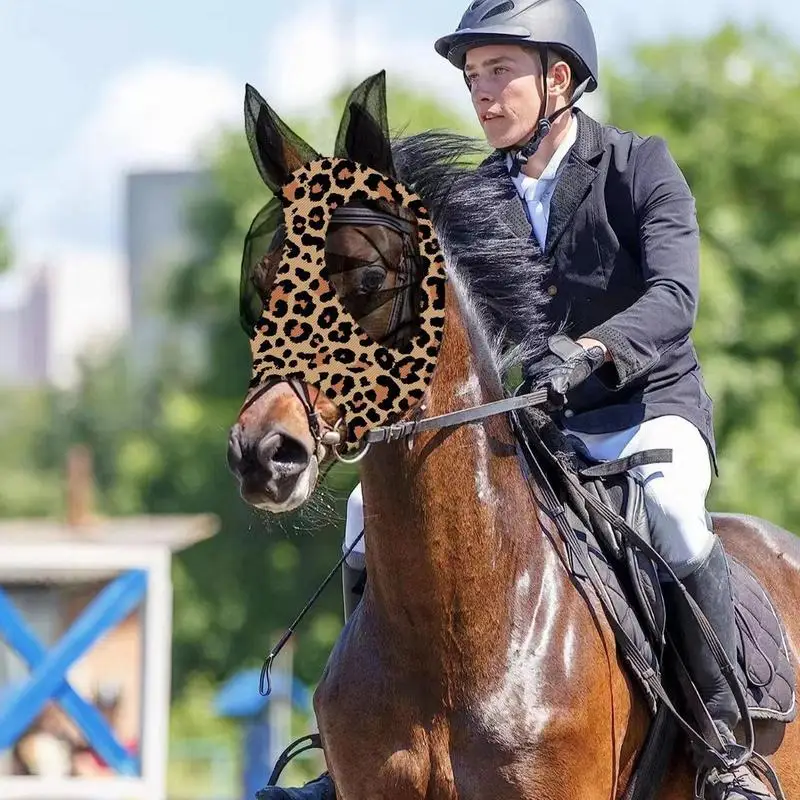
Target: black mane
[{"x": 502, "y": 273}]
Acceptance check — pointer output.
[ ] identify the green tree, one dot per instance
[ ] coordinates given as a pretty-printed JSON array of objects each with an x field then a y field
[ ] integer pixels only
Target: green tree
[
  {"x": 729, "y": 107},
  {"x": 29, "y": 486}
]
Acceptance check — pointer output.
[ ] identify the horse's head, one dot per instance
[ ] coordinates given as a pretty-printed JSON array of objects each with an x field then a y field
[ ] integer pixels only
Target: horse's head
[
  {"x": 342, "y": 295},
  {"x": 279, "y": 440}
]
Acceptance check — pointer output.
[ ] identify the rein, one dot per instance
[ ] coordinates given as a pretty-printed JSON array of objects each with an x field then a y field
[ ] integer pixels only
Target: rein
[{"x": 401, "y": 430}]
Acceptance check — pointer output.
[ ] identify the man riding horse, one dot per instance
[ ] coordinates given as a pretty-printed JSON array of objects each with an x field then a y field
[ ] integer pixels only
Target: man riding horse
[{"x": 614, "y": 216}]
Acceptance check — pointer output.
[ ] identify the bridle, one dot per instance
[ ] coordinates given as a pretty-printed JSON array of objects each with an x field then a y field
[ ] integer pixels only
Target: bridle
[{"x": 325, "y": 436}]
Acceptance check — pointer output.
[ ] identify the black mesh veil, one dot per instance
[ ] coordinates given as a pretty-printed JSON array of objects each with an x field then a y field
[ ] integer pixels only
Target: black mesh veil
[
  {"x": 403, "y": 277},
  {"x": 260, "y": 261},
  {"x": 262, "y": 256},
  {"x": 364, "y": 130},
  {"x": 277, "y": 149},
  {"x": 343, "y": 280}
]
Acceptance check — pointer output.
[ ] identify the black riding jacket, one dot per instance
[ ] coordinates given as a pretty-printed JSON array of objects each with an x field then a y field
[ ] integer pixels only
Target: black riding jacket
[{"x": 623, "y": 254}]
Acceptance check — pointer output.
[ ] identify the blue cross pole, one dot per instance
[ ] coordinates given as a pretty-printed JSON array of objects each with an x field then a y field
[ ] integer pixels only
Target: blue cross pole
[{"x": 48, "y": 671}]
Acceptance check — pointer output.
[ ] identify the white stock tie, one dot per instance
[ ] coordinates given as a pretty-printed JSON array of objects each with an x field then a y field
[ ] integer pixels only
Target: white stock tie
[{"x": 536, "y": 194}]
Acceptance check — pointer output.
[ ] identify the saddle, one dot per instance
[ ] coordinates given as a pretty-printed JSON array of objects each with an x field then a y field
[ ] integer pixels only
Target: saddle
[{"x": 592, "y": 497}]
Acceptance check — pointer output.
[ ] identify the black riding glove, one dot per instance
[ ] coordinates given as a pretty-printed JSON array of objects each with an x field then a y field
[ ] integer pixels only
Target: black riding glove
[{"x": 569, "y": 365}]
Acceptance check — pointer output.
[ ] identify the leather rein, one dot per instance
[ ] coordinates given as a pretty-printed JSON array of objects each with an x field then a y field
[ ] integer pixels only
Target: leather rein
[{"x": 326, "y": 436}]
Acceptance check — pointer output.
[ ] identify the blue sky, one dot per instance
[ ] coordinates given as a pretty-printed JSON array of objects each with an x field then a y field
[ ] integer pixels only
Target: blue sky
[{"x": 93, "y": 87}]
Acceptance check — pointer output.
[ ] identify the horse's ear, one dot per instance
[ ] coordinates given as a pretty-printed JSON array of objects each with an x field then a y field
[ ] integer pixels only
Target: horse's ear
[
  {"x": 364, "y": 129},
  {"x": 276, "y": 149}
]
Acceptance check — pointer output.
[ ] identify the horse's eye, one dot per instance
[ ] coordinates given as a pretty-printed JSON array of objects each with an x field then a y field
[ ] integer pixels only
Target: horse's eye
[{"x": 372, "y": 280}]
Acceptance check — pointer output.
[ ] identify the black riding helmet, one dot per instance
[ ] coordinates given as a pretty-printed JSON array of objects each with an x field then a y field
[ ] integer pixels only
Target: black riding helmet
[{"x": 560, "y": 25}]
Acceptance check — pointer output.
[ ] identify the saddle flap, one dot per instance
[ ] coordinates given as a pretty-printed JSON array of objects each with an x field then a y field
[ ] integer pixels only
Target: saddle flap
[
  {"x": 623, "y": 494},
  {"x": 601, "y": 526},
  {"x": 643, "y": 572},
  {"x": 763, "y": 667}
]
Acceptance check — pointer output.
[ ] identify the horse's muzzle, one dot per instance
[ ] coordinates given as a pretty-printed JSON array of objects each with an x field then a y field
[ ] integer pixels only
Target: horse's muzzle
[{"x": 269, "y": 465}]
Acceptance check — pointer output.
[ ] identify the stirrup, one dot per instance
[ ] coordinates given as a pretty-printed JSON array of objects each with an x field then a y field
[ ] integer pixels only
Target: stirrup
[
  {"x": 760, "y": 768},
  {"x": 314, "y": 742}
]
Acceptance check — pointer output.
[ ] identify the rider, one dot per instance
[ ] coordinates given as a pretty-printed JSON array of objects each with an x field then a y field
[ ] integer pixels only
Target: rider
[{"x": 613, "y": 214}]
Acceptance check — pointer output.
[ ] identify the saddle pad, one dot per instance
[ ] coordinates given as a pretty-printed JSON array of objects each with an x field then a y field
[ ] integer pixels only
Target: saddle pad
[
  {"x": 763, "y": 665},
  {"x": 763, "y": 668},
  {"x": 624, "y": 611}
]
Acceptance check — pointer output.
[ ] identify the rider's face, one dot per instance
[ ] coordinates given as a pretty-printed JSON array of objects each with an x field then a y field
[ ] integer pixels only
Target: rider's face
[{"x": 506, "y": 86}]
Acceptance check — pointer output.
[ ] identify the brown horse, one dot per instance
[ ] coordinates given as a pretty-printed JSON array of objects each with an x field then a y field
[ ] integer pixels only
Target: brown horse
[{"x": 473, "y": 667}]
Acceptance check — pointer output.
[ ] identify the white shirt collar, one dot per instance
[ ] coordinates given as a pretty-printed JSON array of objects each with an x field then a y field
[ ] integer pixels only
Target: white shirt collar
[{"x": 553, "y": 165}]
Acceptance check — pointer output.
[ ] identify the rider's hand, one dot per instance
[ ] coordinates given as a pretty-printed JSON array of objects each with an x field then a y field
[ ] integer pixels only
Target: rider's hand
[{"x": 569, "y": 365}]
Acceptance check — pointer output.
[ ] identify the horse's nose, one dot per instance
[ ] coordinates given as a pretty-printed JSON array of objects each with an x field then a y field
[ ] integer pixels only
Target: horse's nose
[
  {"x": 267, "y": 463},
  {"x": 281, "y": 455}
]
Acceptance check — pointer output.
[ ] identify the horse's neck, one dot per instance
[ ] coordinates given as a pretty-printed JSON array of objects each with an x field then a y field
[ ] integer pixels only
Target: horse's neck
[{"x": 452, "y": 534}]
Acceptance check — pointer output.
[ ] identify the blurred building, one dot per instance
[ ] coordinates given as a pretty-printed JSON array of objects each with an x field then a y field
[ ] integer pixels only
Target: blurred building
[
  {"x": 25, "y": 324},
  {"x": 158, "y": 240},
  {"x": 78, "y": 307}
]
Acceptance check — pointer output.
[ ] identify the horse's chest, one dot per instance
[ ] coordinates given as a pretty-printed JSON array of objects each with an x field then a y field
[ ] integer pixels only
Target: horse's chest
[
  {"x": 394, "y": 753},
  {"x": 389, "y": 735}
]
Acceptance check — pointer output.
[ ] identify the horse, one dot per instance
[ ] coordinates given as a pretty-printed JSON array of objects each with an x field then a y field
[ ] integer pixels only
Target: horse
[{"x": 473, "y": 667}]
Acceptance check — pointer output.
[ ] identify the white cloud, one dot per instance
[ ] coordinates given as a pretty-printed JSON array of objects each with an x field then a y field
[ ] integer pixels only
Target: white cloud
[
  {"x": 155, "y": 116},
  {"x": 316, "y": 52},
  {"x": 158, "y": 115}
]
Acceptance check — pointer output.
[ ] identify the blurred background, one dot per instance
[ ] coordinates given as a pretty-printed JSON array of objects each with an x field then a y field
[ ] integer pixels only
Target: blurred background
[{"x": 126, "y": 188}]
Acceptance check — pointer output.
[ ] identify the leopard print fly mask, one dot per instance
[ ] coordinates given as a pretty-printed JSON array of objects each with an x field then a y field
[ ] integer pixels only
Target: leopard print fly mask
[{"x": 306, "y": 331}]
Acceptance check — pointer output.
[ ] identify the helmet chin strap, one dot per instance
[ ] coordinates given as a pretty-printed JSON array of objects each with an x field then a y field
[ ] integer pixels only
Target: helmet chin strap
[{"x": 520, "y": 155}]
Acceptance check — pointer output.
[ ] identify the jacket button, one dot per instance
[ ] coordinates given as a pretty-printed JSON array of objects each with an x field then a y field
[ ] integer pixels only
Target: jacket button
[{"x": 552, "y": 290}]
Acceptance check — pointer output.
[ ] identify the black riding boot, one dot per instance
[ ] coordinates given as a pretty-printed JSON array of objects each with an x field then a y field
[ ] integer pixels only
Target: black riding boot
[
  {"x": 322, "y": 788},
  {"x": 710, "y": 587}
]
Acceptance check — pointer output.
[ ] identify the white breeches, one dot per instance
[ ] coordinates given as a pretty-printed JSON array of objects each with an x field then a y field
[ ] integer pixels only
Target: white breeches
[{"x": 674, "y": 493}]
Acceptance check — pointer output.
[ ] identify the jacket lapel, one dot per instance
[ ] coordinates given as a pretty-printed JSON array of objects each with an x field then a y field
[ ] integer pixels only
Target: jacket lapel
[
  {"x": 575, "y": 179},
  {"x": 510, "y": 211}
]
